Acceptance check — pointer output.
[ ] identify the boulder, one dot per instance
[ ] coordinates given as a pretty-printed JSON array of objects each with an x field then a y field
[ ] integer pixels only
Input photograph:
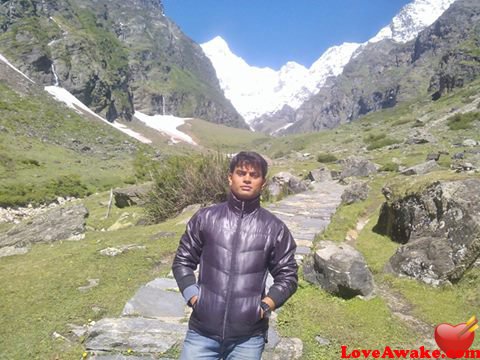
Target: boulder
[
  {"x": 357, "y": 166},
  {"x": 458, "y": 156},
  {"x": 157, "y": 300},
  {"x": 340, "y": 270},
  {"x": 60, "y": 223},
  {"x": 421, "y": 169},
  {"x": 132, "y": 195},
  {"x": 427, "y": 259},
  {"x": 439, "y": 227},
  {"x": 469, "y": 143},
  {"x": 137, "y": 334},
  {"x": 321, "y": 174},
  {"x": 433, "y": 156},
  {"x": 287, "y": 181},
  {"x": 355, "y": 192}
]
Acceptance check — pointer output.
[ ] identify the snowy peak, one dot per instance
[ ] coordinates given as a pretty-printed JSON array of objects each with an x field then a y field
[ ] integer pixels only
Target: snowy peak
[
  {"x": 412, "y": 19},
  {"x": 257, "y": 91}
]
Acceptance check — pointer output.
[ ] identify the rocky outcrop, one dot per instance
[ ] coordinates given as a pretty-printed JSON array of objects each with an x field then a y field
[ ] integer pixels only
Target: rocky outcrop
[
  {"x": 421, "y": 169},
  {"x": 322, "y": 174},
  {"x": 439, "y": 227},
  {"x": 286, "y": 183},
  {"x": 132, "y": 195},
  {"x": 357, "y": 166},
  {"x": 65, "y": 223},
  {"x": 340, "y": 270},
  {"x": 356, "y": 192}
]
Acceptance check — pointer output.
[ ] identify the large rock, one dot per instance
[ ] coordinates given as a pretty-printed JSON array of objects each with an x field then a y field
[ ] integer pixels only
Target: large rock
[
  {"x": 421, "y": 169},
  {"x": 138, "y": 334},
  {"x": 321, "y": 174},
  {"x": 63, "y": 223},
  {"x": 439, "y": 226},
  {"x": 157, "y": 299},
  {"x": 339, "y": 269},
  {"x": 357, "y": 166},
  {"x": 284, "y": 181},
  {"x": 132, "y": 195},
  {"x": 356, "y": 192}
]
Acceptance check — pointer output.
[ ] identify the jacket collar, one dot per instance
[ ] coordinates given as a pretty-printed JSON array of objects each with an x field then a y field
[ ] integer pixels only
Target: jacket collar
[{"x": 248, "y": 206}]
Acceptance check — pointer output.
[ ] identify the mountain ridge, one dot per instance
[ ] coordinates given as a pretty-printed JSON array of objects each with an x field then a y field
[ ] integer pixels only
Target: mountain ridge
[
  {"x": 114, "y": 57},
  {"x": 267, "y": 104}
]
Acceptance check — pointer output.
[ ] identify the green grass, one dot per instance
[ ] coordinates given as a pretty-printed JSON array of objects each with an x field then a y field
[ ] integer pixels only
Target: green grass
[
  {"x": 355, "y": 323},
  {"x": 223, "y": 138},
  {"x": 463, "y": 121},
  {"x": 41, "y": 151},
  {"x": 39, "y": 290}
]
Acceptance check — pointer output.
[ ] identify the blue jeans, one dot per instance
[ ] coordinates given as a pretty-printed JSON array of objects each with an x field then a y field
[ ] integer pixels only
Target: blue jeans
[{"x": 201, "y": 347}]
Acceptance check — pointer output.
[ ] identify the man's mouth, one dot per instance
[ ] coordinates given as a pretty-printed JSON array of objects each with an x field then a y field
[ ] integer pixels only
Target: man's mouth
[{"x": 245, "y": 188}]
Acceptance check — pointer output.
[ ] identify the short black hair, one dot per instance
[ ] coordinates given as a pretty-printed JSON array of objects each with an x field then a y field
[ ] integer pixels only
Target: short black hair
[{"x": 249, "y": 158}]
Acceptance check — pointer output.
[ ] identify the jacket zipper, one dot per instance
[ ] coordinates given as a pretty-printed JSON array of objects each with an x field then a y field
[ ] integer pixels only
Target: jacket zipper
[{"x": 232, "y": 267}]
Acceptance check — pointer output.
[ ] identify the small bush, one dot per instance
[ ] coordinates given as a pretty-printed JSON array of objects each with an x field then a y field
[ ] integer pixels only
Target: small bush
[
  {"x": 376, "y": 141},
  {"x": 326, "y": 158},
  {"x": 462, "y": 121},
  {"x": 185, "y": 180},
  {"x": 29, "y": 162},
  {"x": 390, "y": 167}
]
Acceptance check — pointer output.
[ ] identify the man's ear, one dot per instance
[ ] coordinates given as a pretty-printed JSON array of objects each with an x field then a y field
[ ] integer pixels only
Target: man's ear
[
  {"x": 230, "y": 179},
  {"x": 264, "y": 183}
]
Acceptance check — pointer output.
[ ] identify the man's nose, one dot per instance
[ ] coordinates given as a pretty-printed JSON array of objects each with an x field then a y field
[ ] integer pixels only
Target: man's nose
[{"x": 247, "y": 179}]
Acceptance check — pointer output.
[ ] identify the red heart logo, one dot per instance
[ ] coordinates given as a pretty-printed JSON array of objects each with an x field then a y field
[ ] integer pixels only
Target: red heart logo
[{"x": 448, "y": 339}]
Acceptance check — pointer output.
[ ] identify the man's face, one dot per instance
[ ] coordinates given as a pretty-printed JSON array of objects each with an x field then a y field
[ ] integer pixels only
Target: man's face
[{"x": 246, "y": 182}]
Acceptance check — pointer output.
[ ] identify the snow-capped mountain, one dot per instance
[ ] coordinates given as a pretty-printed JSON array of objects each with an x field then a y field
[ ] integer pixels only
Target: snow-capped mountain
[
  {"x": 412, "y": 19},
  {"x": 257, "y": 91}
]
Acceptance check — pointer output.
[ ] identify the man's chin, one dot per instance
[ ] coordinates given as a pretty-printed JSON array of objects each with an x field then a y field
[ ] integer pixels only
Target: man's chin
[{"x": 245, "y": 195}]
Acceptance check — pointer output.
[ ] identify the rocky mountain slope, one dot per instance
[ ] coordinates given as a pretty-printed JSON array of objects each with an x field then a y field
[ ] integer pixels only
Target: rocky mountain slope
[
  {"x": 444, "y": 56},
  {"x": 116, "y": 57}
]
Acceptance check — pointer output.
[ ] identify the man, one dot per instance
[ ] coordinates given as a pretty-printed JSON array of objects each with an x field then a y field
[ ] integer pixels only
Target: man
[{"x": 236, "y": 244}]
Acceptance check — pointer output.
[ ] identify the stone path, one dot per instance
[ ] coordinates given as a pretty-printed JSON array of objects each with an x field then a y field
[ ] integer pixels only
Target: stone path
[
  {"x": 308, "y": 213},
  {"x": 154, "y": 321}
]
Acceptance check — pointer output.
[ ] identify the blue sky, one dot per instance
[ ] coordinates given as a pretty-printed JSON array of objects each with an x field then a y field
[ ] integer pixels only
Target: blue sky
[{"x": 272, "y": 32}]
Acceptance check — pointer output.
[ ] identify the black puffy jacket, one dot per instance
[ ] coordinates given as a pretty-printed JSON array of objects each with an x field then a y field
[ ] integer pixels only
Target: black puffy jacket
[{"x": 236, "y": 244}]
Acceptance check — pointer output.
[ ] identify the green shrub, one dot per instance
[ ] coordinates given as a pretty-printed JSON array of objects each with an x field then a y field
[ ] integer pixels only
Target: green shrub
[
  {"x": 462, "y": 121},
  {"x": 376, "y": 141},
  {"x": 390, "y": 167},
  {"x": 326, "y": 158},
  {"x": 185, "y": 180}
]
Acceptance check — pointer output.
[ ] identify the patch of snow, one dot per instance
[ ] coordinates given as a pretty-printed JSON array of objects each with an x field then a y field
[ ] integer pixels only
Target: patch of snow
[
  {"x": 71, "y": 101},
  {"x": 284, "y": 127},
  {"x": 167, "y": 124}
]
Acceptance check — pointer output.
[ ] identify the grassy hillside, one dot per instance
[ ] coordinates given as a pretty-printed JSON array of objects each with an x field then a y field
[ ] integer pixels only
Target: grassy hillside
[{"x": 48, "y": 150}]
